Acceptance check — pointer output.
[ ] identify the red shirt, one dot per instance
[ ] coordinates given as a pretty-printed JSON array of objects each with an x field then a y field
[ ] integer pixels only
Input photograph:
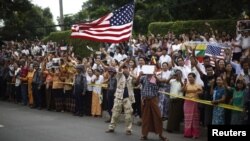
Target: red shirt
[{"x": 24, "y": 71}]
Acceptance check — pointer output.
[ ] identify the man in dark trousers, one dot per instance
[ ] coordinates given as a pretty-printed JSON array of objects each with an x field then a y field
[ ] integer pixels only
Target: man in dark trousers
[
  {"x": 80, "y": 87},
  {"x": 112, "y": 83},
  {"x": 37, "y": 83},
  {"x": 151, "y": 115}
]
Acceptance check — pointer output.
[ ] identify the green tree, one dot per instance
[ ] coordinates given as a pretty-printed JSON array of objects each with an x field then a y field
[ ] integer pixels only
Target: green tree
[
  {"x": 207, "y": 9},
  {"x": 147, "y": 11},
  {"x": 24, "y": 20}
]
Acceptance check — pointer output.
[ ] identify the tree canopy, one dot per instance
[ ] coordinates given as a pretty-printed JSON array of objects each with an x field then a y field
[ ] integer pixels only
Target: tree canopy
[
  {"x": 147, "y": 11},
  {"x": 23, "y": 20}
]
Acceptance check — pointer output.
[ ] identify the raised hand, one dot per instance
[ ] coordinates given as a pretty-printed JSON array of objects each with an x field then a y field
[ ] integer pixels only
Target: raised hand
[
  {"x": 207, "y": 24},
  {"x": 211, "y": 82}
]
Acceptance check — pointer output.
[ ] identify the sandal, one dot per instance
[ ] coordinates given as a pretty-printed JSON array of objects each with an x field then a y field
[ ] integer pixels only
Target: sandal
[
  {"x": 110, "y": 131},
  {"x": 143, "y": 138},
  {"x": 128, "y": 132},
  {"x": 162, "y": 138}
]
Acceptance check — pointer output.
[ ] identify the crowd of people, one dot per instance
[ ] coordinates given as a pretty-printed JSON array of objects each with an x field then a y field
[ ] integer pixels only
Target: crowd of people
[{"x": 49, "y": 76}]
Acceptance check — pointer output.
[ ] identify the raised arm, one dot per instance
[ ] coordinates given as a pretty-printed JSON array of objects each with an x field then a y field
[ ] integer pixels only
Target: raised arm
[
  {"x": 225, "y": 82},
  {"x": 170, "y": 78},
  {"x": 212, "y": 87},
  {"x": 198, "y": 69},
  {"x": 184, "y": 87},
  {"x": 172, "y": 59},
  {"x": 102, "y": 64}
]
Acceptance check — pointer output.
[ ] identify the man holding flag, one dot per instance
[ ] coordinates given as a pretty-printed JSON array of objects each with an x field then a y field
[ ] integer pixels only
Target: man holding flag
[{"x": 116, "y": 27}]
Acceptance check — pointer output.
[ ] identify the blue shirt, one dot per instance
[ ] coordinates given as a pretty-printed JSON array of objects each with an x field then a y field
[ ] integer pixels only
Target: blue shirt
[{"x": 218, "y": 93}]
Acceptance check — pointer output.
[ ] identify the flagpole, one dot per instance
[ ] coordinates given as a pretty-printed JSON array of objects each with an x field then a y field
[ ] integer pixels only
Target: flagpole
[
  {"x": 134, "y": 1},
  {"x": 131, "y": 37}
]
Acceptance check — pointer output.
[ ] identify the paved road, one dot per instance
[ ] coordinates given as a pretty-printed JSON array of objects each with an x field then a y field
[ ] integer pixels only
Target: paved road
[{"x": 20, "y": 123}]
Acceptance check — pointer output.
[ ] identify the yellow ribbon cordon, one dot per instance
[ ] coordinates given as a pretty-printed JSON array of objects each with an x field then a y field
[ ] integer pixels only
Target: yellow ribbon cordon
[
  {"x": 94, "y": 85},
  {"x": 207, "y": 102},
  {"x": 99, "y": 85}
]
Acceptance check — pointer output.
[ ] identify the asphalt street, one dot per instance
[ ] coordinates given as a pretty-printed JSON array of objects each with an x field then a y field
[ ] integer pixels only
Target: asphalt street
[{"x": 20, "y": 123}]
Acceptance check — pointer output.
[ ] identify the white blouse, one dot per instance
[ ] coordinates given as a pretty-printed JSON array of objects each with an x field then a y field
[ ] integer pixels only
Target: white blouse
[{"x": 98, "y": 89}]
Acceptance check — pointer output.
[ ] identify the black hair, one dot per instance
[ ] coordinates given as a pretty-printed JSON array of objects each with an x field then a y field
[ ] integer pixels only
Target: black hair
[
  {"x": 179, "y": 58},
  {"x": 219, "y": 76},
  {"x": 208, "y": 66},
  {"x": 233, "y": 70},
  {"x": 221, "y": 60},
  {"x": 98, "y": 70},
  {"x": 192, "y": 74},
  {"x": 141, "y": 58},
  {"x": 180, "y": 52},
  {"x": 244, "y": 62},
  {"x": 153, "y": 49},
  {"x": 117, "y": 62},
  {"x": 134, "y": 63},
  {"x": 79, "y": 58},
  {"x": 164, "y": 63},
  {"x": 240, "y": 81},
  {"x": 206, "y": 57}
]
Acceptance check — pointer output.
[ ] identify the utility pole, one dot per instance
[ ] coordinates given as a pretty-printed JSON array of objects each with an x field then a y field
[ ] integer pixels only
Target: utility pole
[{"x": 61, "y": 14}]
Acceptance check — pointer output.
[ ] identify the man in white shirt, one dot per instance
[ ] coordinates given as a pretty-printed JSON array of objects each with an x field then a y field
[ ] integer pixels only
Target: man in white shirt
[
  {"x": 138, "y": 69},
  {"x": 97, "y": 64},
  {"x": 245, "y": 73},
  {"x": 118, "y": 56},
  {"x": 164, "y": 57},
  {"x": 245, "y": 43},
  {"x": 176, "y": 46},
  {"x": 237, "y": 51},
  {"x": 184, "y": 68},
  {"x": 25, "y": 51},
  {"x": 245, "y": 40},
  {"x": 124, "y": 56},
  {"x": 112, "y": 48}
]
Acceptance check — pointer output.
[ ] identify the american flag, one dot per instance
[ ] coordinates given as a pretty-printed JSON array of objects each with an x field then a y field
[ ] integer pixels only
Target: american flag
[
  {"x": 214, "y": 50},
  {"x": 113, "y": 28}
]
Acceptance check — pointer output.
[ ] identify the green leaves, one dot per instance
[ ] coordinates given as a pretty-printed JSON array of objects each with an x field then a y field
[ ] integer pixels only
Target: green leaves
[
  {"x": 24, "y": 20},
  {"x": 80, "y": 46},
  {"x": 180, "y": 27}
]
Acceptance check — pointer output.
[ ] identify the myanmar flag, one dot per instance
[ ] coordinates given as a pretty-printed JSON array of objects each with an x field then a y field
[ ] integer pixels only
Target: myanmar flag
[{"x": 200, "y": 52}]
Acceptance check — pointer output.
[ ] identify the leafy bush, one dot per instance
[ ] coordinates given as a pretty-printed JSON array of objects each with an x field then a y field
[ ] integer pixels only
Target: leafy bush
[
  {"x": 80, "y": 45},
  {"x": 179, "y": 27}
]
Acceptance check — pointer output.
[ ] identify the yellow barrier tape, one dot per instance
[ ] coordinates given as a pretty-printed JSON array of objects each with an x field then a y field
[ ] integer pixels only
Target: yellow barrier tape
[
  {"x": 94, "y": 85},
  {"x": 99, "y": 85},
  {"x": 67, "y": 83},
  {"x": 206, "y": 102},
  {"x": 226, "y": 106}
]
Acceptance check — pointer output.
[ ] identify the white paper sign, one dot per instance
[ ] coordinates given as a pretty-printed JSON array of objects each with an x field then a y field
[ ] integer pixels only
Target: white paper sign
[
  {"x": 243, "y": 25},
  {"x": 63, "y": 48},
  {"x": 148, "y": 69},
  {"x": 56, "y": 62}
]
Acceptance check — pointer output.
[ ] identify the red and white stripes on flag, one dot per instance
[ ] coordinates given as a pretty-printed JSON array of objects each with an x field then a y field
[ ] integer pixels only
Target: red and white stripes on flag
[
  {"x": 215, "y": 50},
  {"x": 115, "y": 27}
]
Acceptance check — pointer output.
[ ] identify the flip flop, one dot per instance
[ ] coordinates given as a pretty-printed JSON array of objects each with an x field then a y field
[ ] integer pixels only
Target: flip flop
[{"x": 143, "y": 138}]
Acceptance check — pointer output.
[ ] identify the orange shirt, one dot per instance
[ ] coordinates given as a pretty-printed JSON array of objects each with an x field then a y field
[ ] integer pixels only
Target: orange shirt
[
  {"x": 57, "y": 83},
  {"x": 192, "y": 90}
]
